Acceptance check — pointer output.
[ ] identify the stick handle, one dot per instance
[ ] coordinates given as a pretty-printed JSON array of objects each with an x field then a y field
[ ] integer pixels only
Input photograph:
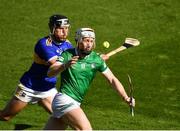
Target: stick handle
[
  {"x": 131, "y": 108},
  {"x": 113, "y": 52},
  {"x": 132, "y": 111}
]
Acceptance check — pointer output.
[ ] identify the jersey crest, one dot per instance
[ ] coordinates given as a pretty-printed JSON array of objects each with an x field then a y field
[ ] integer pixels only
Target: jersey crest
[
  {"x": 83, "y": 65},
  {"x": 49, "y": 42},
  {"x": 93, "y": 65}
]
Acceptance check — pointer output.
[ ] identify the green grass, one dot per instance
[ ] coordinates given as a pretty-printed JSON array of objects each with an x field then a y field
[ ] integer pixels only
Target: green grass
[{"x": 153, "y": 66}]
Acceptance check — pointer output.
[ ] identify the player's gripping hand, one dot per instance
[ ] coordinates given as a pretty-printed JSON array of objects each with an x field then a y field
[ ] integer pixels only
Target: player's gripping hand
[
  {"x": 73, "y": 60},
  {"x": 130, "y": 101},
  {"x": 104, "y": 57}
]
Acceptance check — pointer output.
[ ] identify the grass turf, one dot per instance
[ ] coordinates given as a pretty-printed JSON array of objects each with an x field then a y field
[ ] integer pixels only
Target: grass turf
[{"x": 153, "y": 66}]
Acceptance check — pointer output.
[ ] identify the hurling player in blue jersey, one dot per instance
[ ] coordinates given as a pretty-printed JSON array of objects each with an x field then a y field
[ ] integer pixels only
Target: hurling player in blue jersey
[{"x": 35, "y": 86}]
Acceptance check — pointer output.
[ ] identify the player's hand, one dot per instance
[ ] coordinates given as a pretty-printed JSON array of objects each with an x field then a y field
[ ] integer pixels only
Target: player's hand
[
  {"x": 104, "y": 57},
  {"x": 73, "y": 60},
  {"x": 130, "y": 101}
]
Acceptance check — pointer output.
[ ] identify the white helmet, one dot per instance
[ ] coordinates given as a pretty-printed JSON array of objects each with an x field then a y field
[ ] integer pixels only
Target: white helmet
[{"x": 84, "y": 32}]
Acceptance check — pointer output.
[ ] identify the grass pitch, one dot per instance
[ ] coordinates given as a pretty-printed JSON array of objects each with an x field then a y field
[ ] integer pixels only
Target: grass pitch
[{"x": 153, "y": 66}]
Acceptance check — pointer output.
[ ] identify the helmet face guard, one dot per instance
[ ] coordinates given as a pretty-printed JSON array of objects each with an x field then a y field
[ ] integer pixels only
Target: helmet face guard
[
  {"x": 61, "y": 22},
  {"x": 58, "y": 21},
  {"x": 83, "y": 33}
]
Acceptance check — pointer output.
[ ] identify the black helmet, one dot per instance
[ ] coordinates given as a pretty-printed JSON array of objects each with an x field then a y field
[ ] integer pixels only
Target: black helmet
[{"x": 58, "y": 20}]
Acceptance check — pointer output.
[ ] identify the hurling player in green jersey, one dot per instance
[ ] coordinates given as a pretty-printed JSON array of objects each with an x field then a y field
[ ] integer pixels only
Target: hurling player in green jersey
[{"x": 78, "y": 67}]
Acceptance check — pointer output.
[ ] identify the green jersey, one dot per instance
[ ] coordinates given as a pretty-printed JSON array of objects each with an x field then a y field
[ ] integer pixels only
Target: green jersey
[{"x": 76, "y": 79}]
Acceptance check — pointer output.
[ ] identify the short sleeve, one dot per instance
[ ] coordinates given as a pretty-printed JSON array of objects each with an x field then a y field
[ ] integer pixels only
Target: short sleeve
[
  {"x": 43, "y": 51},
  {"x": 102, "y": 66}
]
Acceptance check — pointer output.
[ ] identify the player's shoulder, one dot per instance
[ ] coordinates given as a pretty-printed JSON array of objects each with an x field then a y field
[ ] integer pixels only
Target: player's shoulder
[
  {"x": 45, "y": 41},
  {"x": 68, "y": 41},
  {"x": 71, "y": 51},
  {"x": 95, "y": 54}
]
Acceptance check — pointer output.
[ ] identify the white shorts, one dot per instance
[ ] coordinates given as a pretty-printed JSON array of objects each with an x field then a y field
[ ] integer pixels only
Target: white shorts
[
  {"x": 28, "y": 95},
  {"x": 62, "y": 104}
]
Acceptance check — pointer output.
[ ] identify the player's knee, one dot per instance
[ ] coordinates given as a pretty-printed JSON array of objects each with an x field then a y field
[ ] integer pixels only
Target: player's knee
[
  {"x": 84, "y": 127},
  {"x": 87, "y": 128}
]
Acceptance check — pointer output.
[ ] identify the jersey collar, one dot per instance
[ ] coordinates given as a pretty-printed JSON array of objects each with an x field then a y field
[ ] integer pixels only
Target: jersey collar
[{"x": 55, "y": 42}]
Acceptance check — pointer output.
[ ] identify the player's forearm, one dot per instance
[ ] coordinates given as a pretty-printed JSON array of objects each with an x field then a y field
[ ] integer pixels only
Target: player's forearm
[
  {"x": 55, "y": 69},
  {"x": 121, "y": 91},
  {"x": 115, "y": 83},
  {"x": 119, "y": 88}
]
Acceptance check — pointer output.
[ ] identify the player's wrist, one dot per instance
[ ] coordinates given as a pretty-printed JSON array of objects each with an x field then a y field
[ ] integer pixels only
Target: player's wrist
[
  {"x": 126, "y": 99},
  {"x": 130, "y": 101}
]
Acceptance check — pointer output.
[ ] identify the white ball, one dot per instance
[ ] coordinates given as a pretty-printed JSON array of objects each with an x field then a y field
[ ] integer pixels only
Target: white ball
[{"x": 106, "y": 44}]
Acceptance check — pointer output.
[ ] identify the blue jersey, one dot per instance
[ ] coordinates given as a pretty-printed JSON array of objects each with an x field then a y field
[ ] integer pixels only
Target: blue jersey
[{"x": 36, "y": 77}]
